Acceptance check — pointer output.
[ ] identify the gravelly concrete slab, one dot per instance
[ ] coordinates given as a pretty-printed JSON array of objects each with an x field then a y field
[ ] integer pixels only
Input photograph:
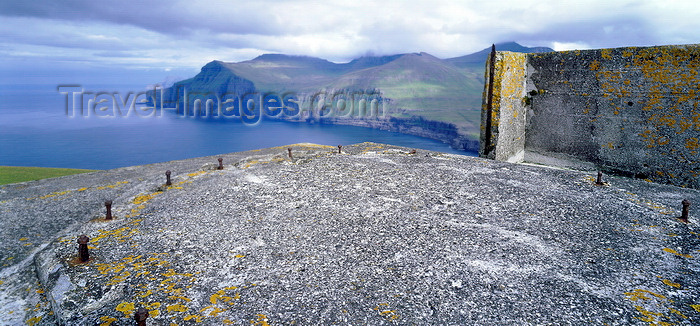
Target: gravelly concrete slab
[{"x": 372, "y": 236}]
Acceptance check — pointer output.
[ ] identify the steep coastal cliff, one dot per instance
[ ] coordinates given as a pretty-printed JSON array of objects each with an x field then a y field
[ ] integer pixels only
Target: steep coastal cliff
[{"x": 417, "y": 93}]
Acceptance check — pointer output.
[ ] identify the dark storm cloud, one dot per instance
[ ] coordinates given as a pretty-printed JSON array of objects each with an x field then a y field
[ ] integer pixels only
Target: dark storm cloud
[
  {"x": 609, "y": 32},
  {"x": 169, "y": 34},
  {"x": 166, "y": 17}
]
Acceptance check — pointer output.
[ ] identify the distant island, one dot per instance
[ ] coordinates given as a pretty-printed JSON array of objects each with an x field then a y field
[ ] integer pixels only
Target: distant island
[{"x": 412, "y": 93}]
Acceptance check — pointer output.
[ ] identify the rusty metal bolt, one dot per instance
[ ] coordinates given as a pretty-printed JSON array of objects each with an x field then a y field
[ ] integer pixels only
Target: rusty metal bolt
[
  {"x": 289, "y": 151},
  {"x": 221, "y": 164},
  {"x": 599, "y": 180},
  {"x": 167, "y": 178},
  {"x": 108, "y": 205},
  {"x": 140, "y": 316},
  {"x": 340, "y": 147},
  {"x": 83, "y": 253},
  {"x": 686, "y": 208}
]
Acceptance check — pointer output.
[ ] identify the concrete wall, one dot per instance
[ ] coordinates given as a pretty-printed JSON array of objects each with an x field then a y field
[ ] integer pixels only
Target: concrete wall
[
  {"x": 507, "y": 112},
  {"x": 631, "y": 111}
]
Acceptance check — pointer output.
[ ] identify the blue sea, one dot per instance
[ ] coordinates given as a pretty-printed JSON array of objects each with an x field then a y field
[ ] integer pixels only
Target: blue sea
[{"x": 36, "y": 131}]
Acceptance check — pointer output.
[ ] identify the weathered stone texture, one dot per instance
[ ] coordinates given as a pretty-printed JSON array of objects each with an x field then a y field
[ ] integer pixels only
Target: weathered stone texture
[
  {"x": 632, "y": 111},
  {"x": 373, "y": 236}
]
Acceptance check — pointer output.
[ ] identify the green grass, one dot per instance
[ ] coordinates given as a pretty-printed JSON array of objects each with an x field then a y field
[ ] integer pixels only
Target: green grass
[{"x": 14, "y": 174}]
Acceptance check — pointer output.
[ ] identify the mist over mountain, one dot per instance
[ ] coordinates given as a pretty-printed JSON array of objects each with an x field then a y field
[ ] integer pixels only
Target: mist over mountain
[{"x": 421, "y": 94}]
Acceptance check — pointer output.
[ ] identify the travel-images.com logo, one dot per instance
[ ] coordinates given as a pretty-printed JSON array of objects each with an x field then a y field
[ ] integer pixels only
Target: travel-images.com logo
[{"x": 249, "y": 107}]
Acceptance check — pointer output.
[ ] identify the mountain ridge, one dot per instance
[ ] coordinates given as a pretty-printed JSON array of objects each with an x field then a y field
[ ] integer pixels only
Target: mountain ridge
[{"x": 416, "y": 88}]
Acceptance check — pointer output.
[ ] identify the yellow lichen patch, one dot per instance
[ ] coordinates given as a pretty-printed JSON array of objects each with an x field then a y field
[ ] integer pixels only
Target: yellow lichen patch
[
  {"x": 83, "y": 189},
  {"x": 696, "y": 307},
  {"x": 176, "y": 308},
  {"x": 119, "y": 278},
  {"x": 196, "y": 318},
  {"x": 153, "y": 305},
  {"x": 33, "y": 321},
  {"x": 606, "y": 54},
  {"x": 595, "y": 65},
  {"x": 677, "y": 253},
  {"x": 179, "y": 297},
  {"x": 51, "y": 195},
  {"x": 112, "y": 186},
  {"x": 194, "y": 174},
  {"x": 650, "y": 316},
  {"x": 640, "y": 294},
  {"x": 127, "y": 308},
  {"x": 140, "y": 199},
  {"x": 144, "y": 294},
  {"x": 117, "y": 234},
  {"x": 239, "y": 256},
  {"x": 692, "y": 143},
  {"x": 216, "y": 312},
  {"x": 219, "y": 296},
  {"x": 671, "y": 284},
  {"x": 23, "y": 239},
  {"x": 252, "y": 162},
  {"x": 678, "y": 313},
  {"x": 107, "y": 320},
  {"x": 261, "y": 321}
]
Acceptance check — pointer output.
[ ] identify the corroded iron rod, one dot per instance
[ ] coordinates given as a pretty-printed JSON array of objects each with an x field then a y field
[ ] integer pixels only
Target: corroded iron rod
[
  {"x": 83, "y": 253},
  {"x": 140, "y": 316},
  {"x": 108, "y": 205},
  {"x": 489, "y": 102},
  {"x": 686, "y": 209}
]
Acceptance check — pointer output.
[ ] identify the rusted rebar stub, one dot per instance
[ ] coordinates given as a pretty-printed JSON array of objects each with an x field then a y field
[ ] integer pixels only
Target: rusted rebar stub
[
  {"x": 289, "y": 151},
  {"x": 413, "y": 151},
  {"x": 685, "y": 212},
  {"x": 140, "y": 316},
  {"x": 599, "y": 180},
  {"x": 108, "y": 206},
  {"x": 221, "y": 164},
  {"x": 83, "y": 253},
  {"x": 167, "y": 178},
  {"x": 340, "y": 148}
]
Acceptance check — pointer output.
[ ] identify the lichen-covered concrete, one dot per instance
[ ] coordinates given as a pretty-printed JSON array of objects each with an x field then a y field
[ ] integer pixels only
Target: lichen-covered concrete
[
  {"x": 508, "y": 109},
  {"x": 375, "y": 235},
  {"x": 632, "y": 111}
]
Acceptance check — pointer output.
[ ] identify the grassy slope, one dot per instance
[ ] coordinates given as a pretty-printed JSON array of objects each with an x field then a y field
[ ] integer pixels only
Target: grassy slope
[
  {"x": 14, "y": 174},
  {"x": 423, "y": 85}
]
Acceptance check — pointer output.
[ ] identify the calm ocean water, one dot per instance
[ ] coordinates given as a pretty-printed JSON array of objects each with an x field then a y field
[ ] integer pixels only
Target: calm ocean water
[{"x": 35, "y": 131}]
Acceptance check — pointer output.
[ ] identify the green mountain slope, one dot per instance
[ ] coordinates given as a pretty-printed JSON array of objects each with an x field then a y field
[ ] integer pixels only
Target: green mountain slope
[
  {"x": 424, "y": 86},
  {"x": 419, "y": 90}
]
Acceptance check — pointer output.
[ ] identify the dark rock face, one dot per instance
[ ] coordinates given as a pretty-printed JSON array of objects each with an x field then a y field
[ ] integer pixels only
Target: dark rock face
[
  {"x": 215, "y": 82},
  {"x": 377, "y": 235}
]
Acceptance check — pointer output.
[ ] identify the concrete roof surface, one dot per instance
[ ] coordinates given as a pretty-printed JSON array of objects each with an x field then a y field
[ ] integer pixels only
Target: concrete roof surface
[{"x": 376, "y": 235}]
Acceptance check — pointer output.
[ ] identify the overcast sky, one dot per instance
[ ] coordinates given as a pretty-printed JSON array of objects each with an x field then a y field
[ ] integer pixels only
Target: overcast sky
[{"x": 171, "y": 36}]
